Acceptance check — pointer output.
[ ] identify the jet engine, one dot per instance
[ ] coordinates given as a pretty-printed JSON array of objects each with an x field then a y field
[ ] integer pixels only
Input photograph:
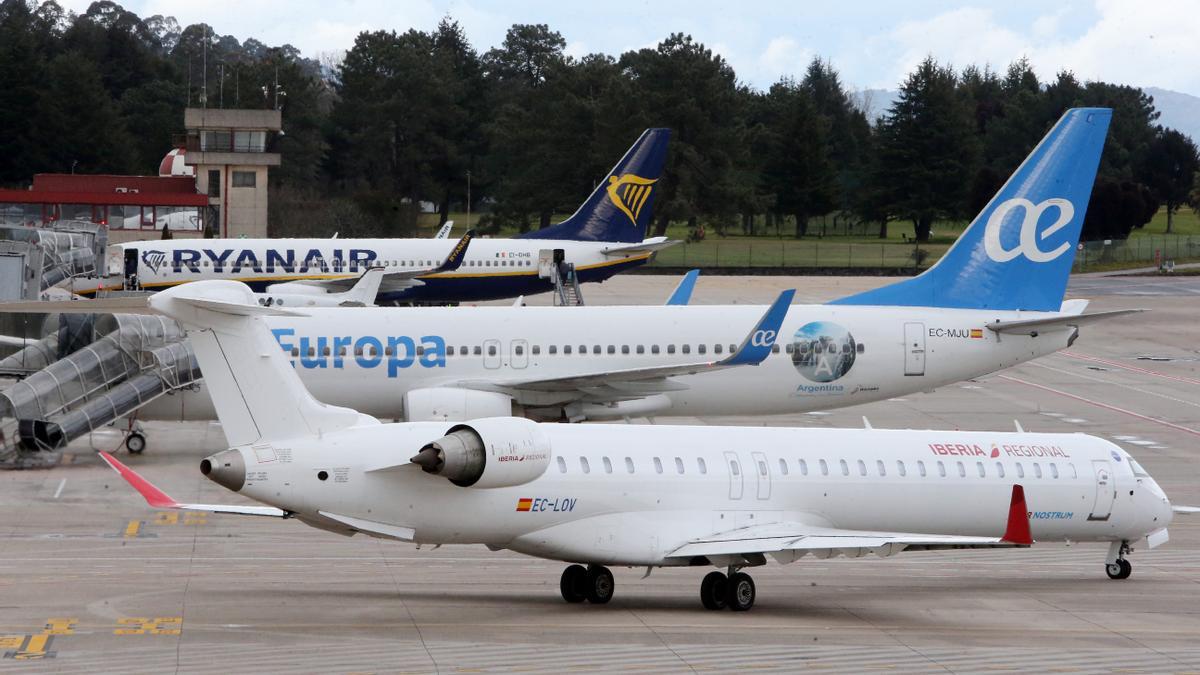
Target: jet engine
[
  {"x": 488, "y": 453},
  {"x": 454, "y": 404}
]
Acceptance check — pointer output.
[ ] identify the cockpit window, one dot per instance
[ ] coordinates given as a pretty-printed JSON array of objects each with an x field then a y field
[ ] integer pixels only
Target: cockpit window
[{"x": 1138, "y": 471}]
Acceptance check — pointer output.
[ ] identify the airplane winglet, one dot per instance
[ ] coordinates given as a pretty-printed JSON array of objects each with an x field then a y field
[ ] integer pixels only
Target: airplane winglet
[
  {"x": 457, "y": 254},
  {"x": 154, "y": 497},
  {"x": 1018, "y": 532},
  {"x": 682, "y": 294},
  {"x": 757, "y": 345}
]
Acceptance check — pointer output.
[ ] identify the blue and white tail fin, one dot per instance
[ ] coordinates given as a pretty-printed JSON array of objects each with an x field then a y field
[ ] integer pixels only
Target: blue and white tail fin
[
  {"x": 620, "y": 208},
  {"x": 1017, "y": 253}
]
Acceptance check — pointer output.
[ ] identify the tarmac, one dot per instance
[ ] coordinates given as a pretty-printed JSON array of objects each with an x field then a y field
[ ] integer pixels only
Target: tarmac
[{"x": 92, "y": 580}]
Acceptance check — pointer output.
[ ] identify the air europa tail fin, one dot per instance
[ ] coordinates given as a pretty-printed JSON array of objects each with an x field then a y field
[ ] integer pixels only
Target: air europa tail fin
[
  {"x": 1018, "y": 251},
  {"x": 620, "y": 208},
  {"x": 256, "y": 392}
]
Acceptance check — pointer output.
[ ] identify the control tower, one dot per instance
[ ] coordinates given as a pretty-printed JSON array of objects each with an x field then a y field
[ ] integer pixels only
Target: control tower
[{"x": 231, "y": 151}]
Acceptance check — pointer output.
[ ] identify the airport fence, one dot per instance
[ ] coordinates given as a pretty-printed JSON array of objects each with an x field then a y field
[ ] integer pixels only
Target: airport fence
[{"x": 832, "y": 254}]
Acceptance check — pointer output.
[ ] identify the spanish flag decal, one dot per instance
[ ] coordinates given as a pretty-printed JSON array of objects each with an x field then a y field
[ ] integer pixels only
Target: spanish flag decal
[
  {"x": 524, "y": 504},
  {"x": 976, "y": 333}
]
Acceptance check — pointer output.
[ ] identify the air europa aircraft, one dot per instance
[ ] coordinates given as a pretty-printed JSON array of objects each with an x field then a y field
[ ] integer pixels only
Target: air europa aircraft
[
  {"x": 605, "y": 236},
  {"x": 995, "y": 300},
  {"x": 723, "y": 497}
]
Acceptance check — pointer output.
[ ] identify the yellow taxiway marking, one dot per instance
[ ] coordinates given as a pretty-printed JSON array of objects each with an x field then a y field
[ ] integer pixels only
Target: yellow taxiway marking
[
  {"x": 59, "y": 626},
  {"x": 131, "y": 530},
  {"x": 162, "y": 625}
]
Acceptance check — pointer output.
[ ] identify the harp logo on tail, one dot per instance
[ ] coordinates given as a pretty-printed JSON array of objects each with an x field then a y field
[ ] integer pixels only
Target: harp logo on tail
[{"x": 630, "y": 193}]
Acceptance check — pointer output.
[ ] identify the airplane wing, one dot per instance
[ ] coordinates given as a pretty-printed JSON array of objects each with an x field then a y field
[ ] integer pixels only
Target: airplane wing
[
  {"x": 682, "y": 294},
  {"x": 789, "y": 541},
  {"x": 1027, "y": 326},
  {"x": 158, "y": 499},
  {"x": 631, "y": 383},
  {"x": 394, "y": 280},
  {"x": 647, "y": 246}
]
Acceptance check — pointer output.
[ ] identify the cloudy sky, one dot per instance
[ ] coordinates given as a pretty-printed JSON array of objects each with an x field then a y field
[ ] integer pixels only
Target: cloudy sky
[{"x": 873, "y": 44}]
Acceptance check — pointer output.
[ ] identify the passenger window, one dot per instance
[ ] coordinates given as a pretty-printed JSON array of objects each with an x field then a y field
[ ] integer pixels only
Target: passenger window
[
  {"x": 803, "y": 468},
  {"x": 670, "y": 349},
  {"x": 900, "y": 468},
  {"x": 921, "y": 468},
  {"x": 653, "y": 349},
  {"x": 824, "y": 468},
  {"x": 1000, "y": 469},
  {"x": 491, "y": 350},
  {"x": 562, "y": 464},
  {"x": 982, "y": 471},
  {"x": 702, "y": 349},
  {"x": 388, "y": 351},
  {"x": 703, "y": 467},
  {"x": 519, "y": 350},
  {"x": 641, "y": 349},
  {"x": 845, "y": 467},
  {"x": 717, "y": 349},
  {"x": 860, "y": 348},
  {"x": 941, "y": 469},
  {"x": 296, "y": 351},
  {"x": 762, "y": 468},
  {"x": 657, "y": 465},
  {"x": 962, "y": 470},
  {"x": 624, "y": 349},
  {"x": 596, "y": 349},
  {"x": 553, "y": 350},
  {"x": 1037, "y": 470},
  {"x": 612, "y": 349},
  {"x": 862, "y": 468},
  {"x": 450, "y": 350},
  {"x": 790, "y": 348},
  {"x": 774, "y": 348},
  {"x": 783, "y": 467},
  {"x": 879, "y": 466},
  {"x": 1053, "y": 470},
  {"x": 732, "y": 349},
  {"x": 583, "y": 464},
  {"x": 687, "y": 349},
  {"x": 679, "y": 466},
  {"x": 607, "y": 465},
  {"x": 1074, "y": 473},
  {"x": 629, "y": 464},
  {"x": 734, "y": 468},
  {"x": 1020, "y": 470},
  {"x": 477, "y": 350},
  {"x": 537, "y": 349},
  {"x": 582, "y": 349},
  {"x": 566, "y": 349}
]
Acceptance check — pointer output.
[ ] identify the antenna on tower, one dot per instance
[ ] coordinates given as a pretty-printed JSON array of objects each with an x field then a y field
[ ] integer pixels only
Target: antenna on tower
[{"x": 204, "y": 68}]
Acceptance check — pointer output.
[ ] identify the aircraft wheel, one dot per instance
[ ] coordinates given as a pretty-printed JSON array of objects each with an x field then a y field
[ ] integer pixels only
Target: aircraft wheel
[
  {"x": 600, "y": 585},
  {"x": 135, "y": 443},
  {"x": 712, "y": 590},
  {"x": 739, "y": 592},
  {"x": 1121, "y": 569},
  {"x": 573, "y": 583}
]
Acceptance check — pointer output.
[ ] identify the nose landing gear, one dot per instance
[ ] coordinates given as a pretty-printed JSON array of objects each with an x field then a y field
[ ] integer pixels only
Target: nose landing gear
[{"x": 1117, "y": 567}]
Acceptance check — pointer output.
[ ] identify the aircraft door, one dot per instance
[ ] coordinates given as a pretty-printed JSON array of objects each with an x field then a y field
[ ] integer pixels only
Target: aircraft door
[
  {"x": 546, "y": 263},
  {"x": 763, "y": 471},
  {"x": 491, "y": 354},
  {"x": 914, "y": 349},
  {"x": 131, "y": 265},
  {"x": 735, "y": 475},
  {"x": 1106, "y": 490},
  {"x": 519, "y": 354}
]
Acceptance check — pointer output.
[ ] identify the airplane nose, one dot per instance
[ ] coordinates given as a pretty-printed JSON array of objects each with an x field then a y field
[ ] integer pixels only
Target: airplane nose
[{"x": 226, "y": 468}]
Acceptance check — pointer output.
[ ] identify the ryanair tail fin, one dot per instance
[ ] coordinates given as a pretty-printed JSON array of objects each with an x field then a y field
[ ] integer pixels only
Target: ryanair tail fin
[
  {"x": 1018, "y": 251},
  {"x": 620, "y": 208}
]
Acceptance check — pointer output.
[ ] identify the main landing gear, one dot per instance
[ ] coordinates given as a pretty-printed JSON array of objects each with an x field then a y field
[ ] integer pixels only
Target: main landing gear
[
  {"x": 735, "y": 591},
  {"x": 1117, "y": 567},
  {"x": 593, "y": 583}
]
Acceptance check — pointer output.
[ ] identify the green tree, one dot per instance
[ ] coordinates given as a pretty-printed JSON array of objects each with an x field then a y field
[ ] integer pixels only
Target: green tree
[
  {"x": 76, "y": 112},
  {"x": 927, "y": 145},
  {"x": 797, "y": 169},
  {"x": 1170, "y": 168}
]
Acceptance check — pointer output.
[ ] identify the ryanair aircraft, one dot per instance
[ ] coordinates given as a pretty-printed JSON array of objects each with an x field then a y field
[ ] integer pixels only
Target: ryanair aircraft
[{"x": 605, "y": 236}]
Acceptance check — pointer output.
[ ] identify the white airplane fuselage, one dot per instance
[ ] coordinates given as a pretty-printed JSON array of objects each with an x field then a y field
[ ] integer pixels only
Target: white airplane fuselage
[
  {"x": 631, "y": 495},
  {"x": 492, "y": 269},
  {"x": 826, "y": 357}
]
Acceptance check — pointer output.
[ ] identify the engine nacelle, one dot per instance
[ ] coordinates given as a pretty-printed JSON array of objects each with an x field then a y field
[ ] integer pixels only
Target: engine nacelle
[
  {"x": 488, "y": 453},
  {"x": 454, "y": 404}
]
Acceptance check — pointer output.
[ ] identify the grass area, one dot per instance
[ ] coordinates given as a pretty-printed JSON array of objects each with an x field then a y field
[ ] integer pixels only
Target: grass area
[{"x": 830, "y": 245}]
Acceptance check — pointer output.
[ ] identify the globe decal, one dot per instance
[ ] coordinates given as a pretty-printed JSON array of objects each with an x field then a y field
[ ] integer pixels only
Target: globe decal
[{"x": 823, "y": 351}]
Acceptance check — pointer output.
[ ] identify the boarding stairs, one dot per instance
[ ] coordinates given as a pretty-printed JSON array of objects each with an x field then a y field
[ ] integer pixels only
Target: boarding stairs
[{"x": 566, "y": 285}]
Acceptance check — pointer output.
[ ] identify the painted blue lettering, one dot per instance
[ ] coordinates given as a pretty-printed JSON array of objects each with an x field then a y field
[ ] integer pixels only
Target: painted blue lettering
[
  {"x": 339, "y": 344},
  {"x": 361, "y": 258},
  {"x": 317, "y": 360},
  {"x": 185, "y": 256},
  {"x": 218, "y": 261},
  {"x": 246, "y": 259},
  {"x": 281, "y": 263},
  {"x": 313, "y": 259},
  {"x": 395, "y": 360},
  {"x": 363, "y": 359},
  {"x": 281, "y": 333},
  {"x": 435, "y": 351}
]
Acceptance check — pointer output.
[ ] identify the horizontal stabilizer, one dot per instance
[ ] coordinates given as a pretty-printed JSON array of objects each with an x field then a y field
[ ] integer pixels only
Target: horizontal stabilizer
[
  {"x": 372, "y": 527},
  {"x": 137, "y": 305},
  {"x": 647, "y": 246},
  {"x": 1024, "y": 326},
  {"x": 1185, "y": 510},
  {"x": 158, "y": 499}
]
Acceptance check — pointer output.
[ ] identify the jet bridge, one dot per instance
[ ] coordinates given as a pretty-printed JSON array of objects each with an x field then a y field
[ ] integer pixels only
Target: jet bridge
[{"x": 121, "y": 362}]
